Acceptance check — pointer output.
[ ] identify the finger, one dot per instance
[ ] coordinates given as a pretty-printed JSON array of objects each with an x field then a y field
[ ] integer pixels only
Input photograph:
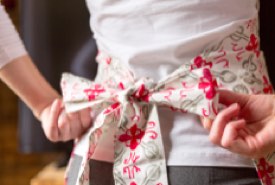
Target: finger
[
  {"x": 228, "y": 97},
  {"x": 52, "y": 125},
  {"x": 76, "y": 126},
  {"x": 232, "y": 139},
  {"x": 223, "y": 118},
  {"x": 86, "y": 118},
  {"x": 249, "y": 144},
  {"x": 231, "y": 133},
  {"x": 207, "y": 123},
  {"x": 64, "y": 127}
]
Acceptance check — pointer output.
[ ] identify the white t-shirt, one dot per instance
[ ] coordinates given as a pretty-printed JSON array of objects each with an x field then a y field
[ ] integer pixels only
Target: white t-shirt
[
  {"x": 155, "y": 37},
  {"x": 11, "y": 45}
]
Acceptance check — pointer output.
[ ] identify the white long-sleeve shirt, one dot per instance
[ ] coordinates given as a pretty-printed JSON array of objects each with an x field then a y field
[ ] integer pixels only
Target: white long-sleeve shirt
[
  {"x": 11, "y": 45},
  {"x": 155, "y": 37}
]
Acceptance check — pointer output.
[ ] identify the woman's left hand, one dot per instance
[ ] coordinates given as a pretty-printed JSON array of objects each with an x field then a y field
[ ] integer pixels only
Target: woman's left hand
[{"x": 246, "y": 126}]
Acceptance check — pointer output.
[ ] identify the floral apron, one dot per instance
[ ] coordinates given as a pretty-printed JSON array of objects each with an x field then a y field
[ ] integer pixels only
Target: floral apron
[{"x": 119, "y": 100}]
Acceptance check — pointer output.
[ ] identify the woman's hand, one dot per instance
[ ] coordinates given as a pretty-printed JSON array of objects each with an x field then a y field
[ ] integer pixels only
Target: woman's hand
[
  {"x": 61, "y": 126},
  {"x": 22, "y": 76},
  {"x": 246, "y": 126}
]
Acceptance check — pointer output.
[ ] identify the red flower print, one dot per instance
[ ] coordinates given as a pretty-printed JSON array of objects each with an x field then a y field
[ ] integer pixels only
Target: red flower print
[
  {"x": 268, "y": 89},
  {"x": 121, "y": 86},
  {"x": 131, "y": 168},
  {"x": 251, "y": 24},
  {"x": 141, "y": 93},
  {"x": 265, "y": 171},
  {"x": 221, "y": 58},
  {"x": 168, "y": 94},
  {"x": 208, "y": 84},
  {"x": 92, "y": 93},
  {"x": 153, "y": 134},
  {"x": 211, "y": 108},
  {"x": 239, "y": 51},
  {"x": 253, "y": 45},
  {"x": 108, "y": 60},
  {"x": 132, "y": 137},
  {"x": 200, "y": 62},
  {"x": 112, "y": 107}
]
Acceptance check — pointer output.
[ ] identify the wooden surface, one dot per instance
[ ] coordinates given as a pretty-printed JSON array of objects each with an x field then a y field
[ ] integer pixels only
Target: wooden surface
[
  {"x": 16, "y": 168},
  {"x": 49, "y": 175}
]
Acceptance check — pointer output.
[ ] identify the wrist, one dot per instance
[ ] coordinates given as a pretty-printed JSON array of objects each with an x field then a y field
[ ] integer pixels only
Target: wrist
[
  {"x": 39, "y": 108},
  {"x": 23, "y": 77}
]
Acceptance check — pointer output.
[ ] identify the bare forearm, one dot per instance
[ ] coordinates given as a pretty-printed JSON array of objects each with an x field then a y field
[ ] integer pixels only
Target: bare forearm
[{"x": 22, "y": 76}]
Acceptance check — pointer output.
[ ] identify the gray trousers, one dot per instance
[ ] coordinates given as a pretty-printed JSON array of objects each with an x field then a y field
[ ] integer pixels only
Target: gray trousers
[{"x": 101, "y": 174}]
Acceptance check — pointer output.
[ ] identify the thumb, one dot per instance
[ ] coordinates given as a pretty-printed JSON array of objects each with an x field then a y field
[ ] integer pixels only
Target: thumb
[
  {"x": 55, "y": 110},
  {"x": 228, "y": 97},
  {"x": 52, "y": 127}
]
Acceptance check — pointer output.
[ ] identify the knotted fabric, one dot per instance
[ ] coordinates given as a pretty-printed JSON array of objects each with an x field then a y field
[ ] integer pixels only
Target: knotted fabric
[{"x": 119, "y": 100}]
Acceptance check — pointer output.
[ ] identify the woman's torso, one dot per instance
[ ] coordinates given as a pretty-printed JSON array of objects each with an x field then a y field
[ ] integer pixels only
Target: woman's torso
[{"x": 153, "y": 38}]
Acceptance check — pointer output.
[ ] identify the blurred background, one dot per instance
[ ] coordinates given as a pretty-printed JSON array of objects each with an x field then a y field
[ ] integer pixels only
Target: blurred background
[{"x": 58, "y": 38}]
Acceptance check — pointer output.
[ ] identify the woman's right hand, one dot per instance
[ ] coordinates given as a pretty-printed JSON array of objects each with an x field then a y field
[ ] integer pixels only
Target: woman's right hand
[{"x": 61, "y": 126}]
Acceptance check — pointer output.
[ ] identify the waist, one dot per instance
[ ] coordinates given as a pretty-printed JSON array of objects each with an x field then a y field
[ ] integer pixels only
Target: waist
[
  {"x": 157, "y": 58},
  {"x": 185, "y": 142}
]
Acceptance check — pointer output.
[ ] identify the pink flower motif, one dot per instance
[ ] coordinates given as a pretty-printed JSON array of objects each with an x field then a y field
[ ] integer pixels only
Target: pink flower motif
[
  {"x": 131, "y": 168},
  {"x": 265, "y": 171},
  {"x": 112, "y": 107},
  {"x": 168, "y": 93},
  {"x": 251, "y": 24},
  {"x": 221, "y": 58},
  {"x": 141, "y": 93},
  {"x": 208, "y": 84},
  {"x": 253, "y": 45},
  {"x": 200, "y": 62},
  {"x": 132, "y": 137},
  {"x": 92, "y": 93},
  {"x": 211, "y": 108},
  {"x": 121, "y": 86},
  {"x": 108, "y": 60},
  {"x": 268, "y": 89},
  {"x": 149, "y": 131}
]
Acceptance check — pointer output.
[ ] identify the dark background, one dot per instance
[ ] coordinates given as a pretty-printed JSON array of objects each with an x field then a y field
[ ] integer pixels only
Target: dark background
[
  {"x": 267, "y": 33},
  {"x": 58, "y": 38}
]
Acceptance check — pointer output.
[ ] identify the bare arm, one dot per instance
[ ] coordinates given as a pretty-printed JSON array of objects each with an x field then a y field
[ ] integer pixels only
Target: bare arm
[{"x": 22, "y": 76}]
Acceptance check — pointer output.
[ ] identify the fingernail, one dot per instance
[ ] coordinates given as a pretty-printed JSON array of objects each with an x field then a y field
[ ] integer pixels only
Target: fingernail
[{"x": 234, "y": 106}]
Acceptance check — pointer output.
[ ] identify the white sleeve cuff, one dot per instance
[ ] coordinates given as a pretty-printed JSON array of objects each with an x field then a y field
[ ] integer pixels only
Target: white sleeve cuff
[{"x": 11, "y": 46}]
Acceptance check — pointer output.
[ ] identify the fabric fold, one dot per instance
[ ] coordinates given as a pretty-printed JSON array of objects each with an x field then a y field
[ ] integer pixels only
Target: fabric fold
[{"x": 129, "y": 105}]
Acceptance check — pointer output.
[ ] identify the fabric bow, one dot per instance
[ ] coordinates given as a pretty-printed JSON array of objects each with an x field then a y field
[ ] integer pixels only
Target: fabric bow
[
  {"x": 128, "y": 105},
  {"x": 131, "y": 106}
]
